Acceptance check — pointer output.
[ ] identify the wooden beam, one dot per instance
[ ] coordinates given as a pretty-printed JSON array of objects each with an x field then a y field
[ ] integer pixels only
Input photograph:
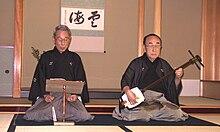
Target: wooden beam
[
  {"x": 203, "y": 40},
  {"x": 210, "y": 75},
  {"x": 141, "y": 10},
  {"x": 18, "y": 39},
  {"x": 157, "y": 17}
]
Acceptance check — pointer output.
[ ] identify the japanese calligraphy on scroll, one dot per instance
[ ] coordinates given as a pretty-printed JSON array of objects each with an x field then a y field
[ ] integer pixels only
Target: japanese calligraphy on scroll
[{"x": 86, "y": 21}]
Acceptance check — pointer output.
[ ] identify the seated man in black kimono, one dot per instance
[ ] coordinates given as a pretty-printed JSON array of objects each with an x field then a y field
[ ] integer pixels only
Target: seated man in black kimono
[
  {"x": 161, "y": 100},
  {"x": 58, "y": 63}
]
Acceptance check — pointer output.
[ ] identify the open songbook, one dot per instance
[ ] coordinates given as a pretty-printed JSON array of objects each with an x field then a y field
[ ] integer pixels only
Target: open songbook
[{"x": 139, "y": 99}]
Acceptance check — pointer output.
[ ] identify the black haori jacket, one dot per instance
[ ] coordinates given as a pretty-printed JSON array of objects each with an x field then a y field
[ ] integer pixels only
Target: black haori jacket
[
  {"x": 137, "y": 70},
  {"x": 53, "y": 64}
]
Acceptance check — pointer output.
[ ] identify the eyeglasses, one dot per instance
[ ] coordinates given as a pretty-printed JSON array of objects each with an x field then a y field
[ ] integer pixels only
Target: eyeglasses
[
  {"x": 153, "y": 46},
  {"x": 66, "y": 39}
]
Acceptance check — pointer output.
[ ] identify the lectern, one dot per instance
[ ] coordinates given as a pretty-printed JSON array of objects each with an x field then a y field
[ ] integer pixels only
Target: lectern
[{"x": 61, "y": 85}]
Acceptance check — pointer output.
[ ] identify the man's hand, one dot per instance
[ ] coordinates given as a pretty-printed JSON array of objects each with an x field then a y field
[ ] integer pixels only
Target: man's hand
[
  {"x": 48, "y": 98},
  {"x": 179, "y": 73},
  {"x": 131, "y": 96},
  {"x": 72, "y": 98}
]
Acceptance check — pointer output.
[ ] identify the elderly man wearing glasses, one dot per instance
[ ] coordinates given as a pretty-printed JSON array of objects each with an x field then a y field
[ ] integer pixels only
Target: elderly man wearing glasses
[
  {"x": 158, "y": 101},
  {"x": 58, "y": 63}
]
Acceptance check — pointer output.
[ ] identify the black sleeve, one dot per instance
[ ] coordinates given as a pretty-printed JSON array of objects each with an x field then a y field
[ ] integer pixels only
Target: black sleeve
[
  {"x": 81, "y": 76},
  {"x": 128, "y": 76},
  {"x": 171, "y": 93},
  {"x": 38, "y": 82}
]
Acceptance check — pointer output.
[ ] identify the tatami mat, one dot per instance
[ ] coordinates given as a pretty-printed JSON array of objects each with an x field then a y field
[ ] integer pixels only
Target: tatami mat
[
  {"x": 9, "y": 101},
  {"x": 214, "y": 118},
  {"x": 201, "y": 101},
  {"x": 6, "y": 120},
  {"x": 116, "y": 129},
  {"x": 68, "y": 129},
  {"x": 175, "y": 129}
]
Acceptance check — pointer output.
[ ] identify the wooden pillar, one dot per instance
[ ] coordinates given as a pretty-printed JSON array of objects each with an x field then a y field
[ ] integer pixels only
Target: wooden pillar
[
  {"x": 141, "y": 16},
  {"x": 141, "y": 10},
  {"x": 157, "y": 17},
  {"x": 18, "y": 37},
  {"x": 210, "y": 74}
]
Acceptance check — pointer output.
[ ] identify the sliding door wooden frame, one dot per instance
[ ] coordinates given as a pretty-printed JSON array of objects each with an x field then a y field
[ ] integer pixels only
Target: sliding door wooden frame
[{"x": 18, "y": 40}]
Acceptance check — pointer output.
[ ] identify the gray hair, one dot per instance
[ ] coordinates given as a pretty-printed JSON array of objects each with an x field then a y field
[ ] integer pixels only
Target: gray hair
[{"x": 61, "y": 28}]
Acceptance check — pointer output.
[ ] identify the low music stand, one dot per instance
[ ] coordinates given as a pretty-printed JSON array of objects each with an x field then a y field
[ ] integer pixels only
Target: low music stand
[{"x": 61, "y": 85}]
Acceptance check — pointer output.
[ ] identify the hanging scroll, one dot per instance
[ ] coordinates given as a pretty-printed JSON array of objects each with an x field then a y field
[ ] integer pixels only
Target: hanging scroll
[{"x": 85, "y": 18}]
